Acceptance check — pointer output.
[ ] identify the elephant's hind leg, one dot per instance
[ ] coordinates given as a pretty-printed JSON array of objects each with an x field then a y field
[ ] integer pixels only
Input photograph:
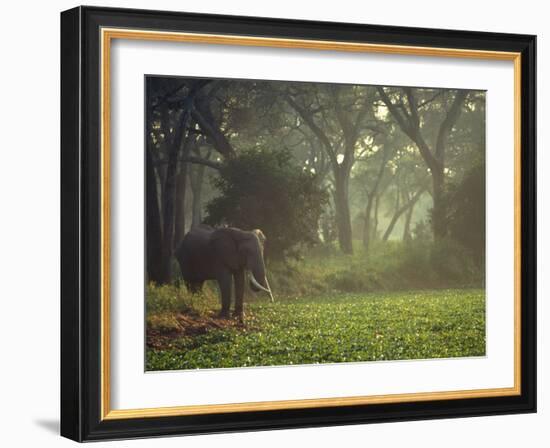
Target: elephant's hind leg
[
  {"x": 224, "y": 283},
  {"x": 239, "y": 295}
]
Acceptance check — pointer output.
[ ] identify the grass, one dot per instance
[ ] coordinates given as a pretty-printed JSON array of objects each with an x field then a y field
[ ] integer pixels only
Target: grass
[
  {"x": 322, "y": 328},
  {"x": 413, "y": 300}
]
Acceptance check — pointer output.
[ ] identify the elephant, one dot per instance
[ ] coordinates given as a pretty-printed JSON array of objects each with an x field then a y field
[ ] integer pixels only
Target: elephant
[{"x": 223, "y": 254}]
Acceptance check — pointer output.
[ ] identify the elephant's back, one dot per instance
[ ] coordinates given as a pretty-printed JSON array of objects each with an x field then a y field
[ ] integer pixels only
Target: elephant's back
[{"x": 193, "y": 254}]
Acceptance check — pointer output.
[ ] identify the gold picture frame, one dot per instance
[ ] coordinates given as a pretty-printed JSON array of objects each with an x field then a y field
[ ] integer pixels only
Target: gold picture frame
[{"x": 118, "y": 25}]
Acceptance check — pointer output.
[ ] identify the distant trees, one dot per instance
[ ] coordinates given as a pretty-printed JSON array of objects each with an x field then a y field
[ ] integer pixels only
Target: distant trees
[
  {"x": 341, "y": 118},
  {"x": 414, "y": 115},
  {"x": 364, "y": 162},
  {"x": 371, "y": 182},
  {"x": 167, "y": 140},
  {"x": 179, "y": 121}
]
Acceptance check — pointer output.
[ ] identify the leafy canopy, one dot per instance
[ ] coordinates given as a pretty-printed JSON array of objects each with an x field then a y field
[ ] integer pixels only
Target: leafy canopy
[
  {"x": 264, "y": 189},
  {"x": 466, "y": 212}
]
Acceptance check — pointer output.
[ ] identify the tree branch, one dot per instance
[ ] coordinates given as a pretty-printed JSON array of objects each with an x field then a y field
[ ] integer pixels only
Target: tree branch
[
  {"x": 308, "y": 119},
  {"x": 395, "y": 112},
  {"x": 200, "y": 161},
  {"x": 220, "y": 141},
  {"x": 413, "y": 107},
  {"x": 448, "y": 122},
  {"x": 402, "y": 210},
  {"x": 411, "y": 131},
  {"x": 425, "y": 103}
]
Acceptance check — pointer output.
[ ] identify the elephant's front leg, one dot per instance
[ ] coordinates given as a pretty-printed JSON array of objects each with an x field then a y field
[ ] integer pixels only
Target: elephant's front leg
[
  {"x": 224, "y": 283},
  {"x": 239, "y": 294}
]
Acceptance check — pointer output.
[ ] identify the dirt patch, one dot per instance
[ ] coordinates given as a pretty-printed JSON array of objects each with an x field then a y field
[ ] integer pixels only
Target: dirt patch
[
  {"x": 188, "y": 325},
  {"x": 196, "y": 325}
]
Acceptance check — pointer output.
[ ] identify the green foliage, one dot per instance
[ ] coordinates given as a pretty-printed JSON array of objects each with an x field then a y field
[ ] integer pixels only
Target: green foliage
[
  {"x": 389, "y": 266},
  {"x": 422, "y": 231},
  {"x": 339, "y": 328},
  {"x": 330, "y": 307},
  {"x": 264, "y": 189},
  {"x": 171, "y": 299},
  {"x": 453, "y": 263},
  {"x": 466, "y": 212}
]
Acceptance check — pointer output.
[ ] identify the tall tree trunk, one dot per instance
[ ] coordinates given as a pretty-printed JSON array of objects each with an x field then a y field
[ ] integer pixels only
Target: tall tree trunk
[
  {"x": 169, "y": 196},
  {"x": 367, "y": 227},
  {"x": 374, "y": 233},
  {"x": 168, "y": 215},
  {"x": 327, "y": 224},
  {"x": 409, "y": 122},
  {"x": 153, "y": 226},
  {"x": 168, "y": 184},
  {"x": 181, "y": 187},
  {"x": 152, "y": 223},
  {"x": 400, "y": 210},
  {"x": 439, "y": 222},
  {"x": 196, "y": 218},
  {"x": 343, "y": 218},
  {"x": 341, "y": 167},
  {"x": 395, "y": 216},
  {"x": 197, "y": 178},
  {"x": 407, "y": 226}
]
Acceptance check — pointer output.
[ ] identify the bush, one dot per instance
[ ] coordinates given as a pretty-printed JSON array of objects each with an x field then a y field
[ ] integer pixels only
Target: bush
[
  {"x": 466, "y": 213},
  {"x": 390, "y": 266},
  {"x": 266, "y": 190},
  {"x": 453, "y": 264},
  {"x": 355, "y": 279}
]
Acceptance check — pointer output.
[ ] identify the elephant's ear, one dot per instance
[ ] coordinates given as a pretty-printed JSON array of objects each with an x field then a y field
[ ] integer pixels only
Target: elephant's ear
[{"x": 224, "y": 244}]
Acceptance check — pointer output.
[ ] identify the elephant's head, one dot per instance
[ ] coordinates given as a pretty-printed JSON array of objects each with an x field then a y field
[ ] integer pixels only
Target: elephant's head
[{"x": 238, "y": 249}]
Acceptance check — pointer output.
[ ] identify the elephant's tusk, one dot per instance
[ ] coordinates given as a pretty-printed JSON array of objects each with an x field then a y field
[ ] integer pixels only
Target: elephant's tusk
[
  {"x": 270, "y": 293},
  {"x": 257, "y": 285}
]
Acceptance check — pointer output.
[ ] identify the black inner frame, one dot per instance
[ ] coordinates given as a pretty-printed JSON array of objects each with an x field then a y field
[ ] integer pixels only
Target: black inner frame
[{"x": 81, "y": 221}]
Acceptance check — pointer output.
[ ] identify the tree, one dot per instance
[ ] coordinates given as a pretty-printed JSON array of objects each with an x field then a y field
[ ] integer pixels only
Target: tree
[
  {"x": 369, "y": 150},
  {"x": 264, "y": 189},
  {"x": 407, "y": 183},
  {"x": 197, "y": 184},
  {"x": 340, "y": 117},
  {"x": 400, "y": 208},
  {"x": 170, "y": 104},
  {"x": 411, "y": 116},
  {"x": 369, "y": 182},
  {"x": 466, "y": 214}
]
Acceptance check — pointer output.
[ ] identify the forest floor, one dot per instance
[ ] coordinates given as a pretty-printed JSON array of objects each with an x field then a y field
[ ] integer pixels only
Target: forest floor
[{"x": 339, "y": 327}]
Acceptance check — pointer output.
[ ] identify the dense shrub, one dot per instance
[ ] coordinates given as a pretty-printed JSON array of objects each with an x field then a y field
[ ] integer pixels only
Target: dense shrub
[
  {"x": 390, "y": 266},
  {"x": 453, "y": 264},
  {"x": 466, "y": 213},
  {"x": 267, "y": 190}
]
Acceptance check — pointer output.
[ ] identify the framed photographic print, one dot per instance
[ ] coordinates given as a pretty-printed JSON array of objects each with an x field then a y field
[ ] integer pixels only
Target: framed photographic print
[{"x": 275, "y": 224}]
